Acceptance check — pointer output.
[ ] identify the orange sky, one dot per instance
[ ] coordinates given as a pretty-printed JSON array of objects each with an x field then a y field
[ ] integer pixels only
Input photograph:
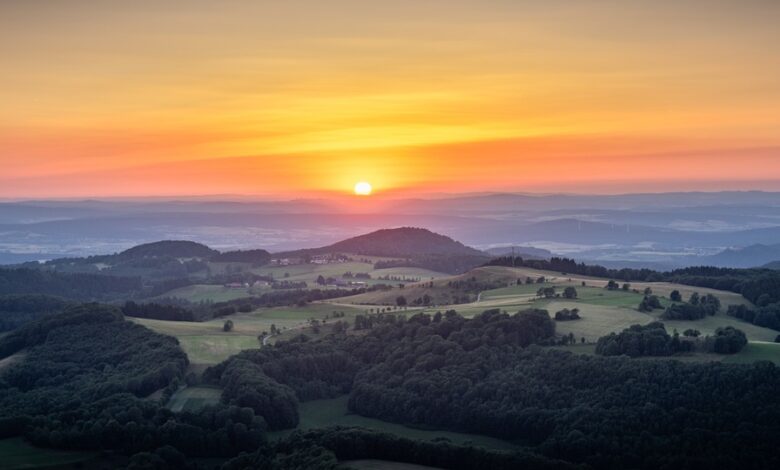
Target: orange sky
[{"x": 291, "y": 98}]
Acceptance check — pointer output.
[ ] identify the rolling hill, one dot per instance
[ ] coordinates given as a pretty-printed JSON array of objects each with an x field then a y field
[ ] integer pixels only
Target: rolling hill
[
  {"x": 172, "y": 248},
  {"x": 396, "y": 242}
]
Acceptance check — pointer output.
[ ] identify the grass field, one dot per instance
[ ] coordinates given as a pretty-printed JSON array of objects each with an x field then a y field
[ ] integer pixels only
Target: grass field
[
  {"x": 15, "y": 453},
  {"x": 756, "y": 351},
  {"x": 194, "y": 398},
  {"x": 332, "y": 412},
  {"x": 309, "y": 272},
  {"x": 205, "y": 343},
  {"x": 602, "y": 311}
]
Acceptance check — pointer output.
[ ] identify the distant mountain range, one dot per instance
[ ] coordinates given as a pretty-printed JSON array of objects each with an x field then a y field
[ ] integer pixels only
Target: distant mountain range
[
  {"x": 748, "y": 257},
  {"x": 671, "y": 229},
  {"x": 772, "y": 265}
]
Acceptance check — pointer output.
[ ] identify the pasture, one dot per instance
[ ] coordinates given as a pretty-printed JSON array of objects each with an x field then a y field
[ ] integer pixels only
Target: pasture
[
  {"x": 206, "y": 343},
  {"x": 756, "y": 351},
  {"x": 194, "y": 398},
  {"x": 310, "y": 272},
  {"x": 333, "y": 412}
]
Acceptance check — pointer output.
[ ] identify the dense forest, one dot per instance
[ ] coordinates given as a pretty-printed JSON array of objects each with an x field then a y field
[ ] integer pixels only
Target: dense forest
[
  {"x": 443, "y": 263},
  {"x": 256, "y": 257},
  {"x": 767, "y": 316},
  {"x": 487, "y": 376},
  {"x": 16, "y": 310},
  {"x": 80, "y": 384},
  {"x": 305, "y": 370},
  {"x": 77, "y": 286}
]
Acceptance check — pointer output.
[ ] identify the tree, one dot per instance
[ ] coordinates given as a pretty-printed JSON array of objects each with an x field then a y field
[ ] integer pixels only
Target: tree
[
  {"x": 570, "y": 293},
  {"x": 648, "y": 291},
  {"x": 691, "y": 333},
  {"x": 321, "y": 280},
  {"x": 339, "y": 327},
  {"x": 228, "y": 326},
  {"x": 726, "y": 340},
  {"x": 675, "y": 296},
  {"x": 400, "y": 301},
  {"x": 612, "y": 285},
  {"x": 626, "y": 286}
]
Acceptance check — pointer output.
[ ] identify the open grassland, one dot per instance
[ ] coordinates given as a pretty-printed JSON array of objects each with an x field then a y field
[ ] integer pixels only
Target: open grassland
[
  {"x": 298, "y": 273},
  {"x": 194, "y": 398},
  {"x": 603, "y": 311},
  {"x": 310, "y": 272},
  {"x": 597, "y": 320},
  {"x": 756, "y": 351},
  {"x": 206, "y": 343},
  {"x": 333, "y": 412},
  {"x": 213, "y": 349},
  {"x": 16, "y": 453}
]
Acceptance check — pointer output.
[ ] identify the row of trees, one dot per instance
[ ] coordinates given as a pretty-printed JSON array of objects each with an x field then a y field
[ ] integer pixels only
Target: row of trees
[
  {"x": 653, "y": 340},
  {"x": 696, "y": 308}
]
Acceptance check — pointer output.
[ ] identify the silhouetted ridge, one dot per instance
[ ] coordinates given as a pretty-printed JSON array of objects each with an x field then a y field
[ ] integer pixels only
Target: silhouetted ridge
[{"x": 396, "y": 242}]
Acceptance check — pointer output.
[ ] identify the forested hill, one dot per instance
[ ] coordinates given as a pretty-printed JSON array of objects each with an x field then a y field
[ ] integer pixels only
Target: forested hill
[
  {"x": 396, "y": 242},
  {"x": 174, "y": 248}
]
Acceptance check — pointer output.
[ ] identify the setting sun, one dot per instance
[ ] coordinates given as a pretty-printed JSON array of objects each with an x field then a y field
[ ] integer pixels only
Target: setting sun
[{"x": 362, "y": 188}]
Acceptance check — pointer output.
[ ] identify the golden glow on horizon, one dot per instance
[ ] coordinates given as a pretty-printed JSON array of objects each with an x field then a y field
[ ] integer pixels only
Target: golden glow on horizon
[
  {"x": 304, "y": 97},
  {"x": 363, "y": 189}
]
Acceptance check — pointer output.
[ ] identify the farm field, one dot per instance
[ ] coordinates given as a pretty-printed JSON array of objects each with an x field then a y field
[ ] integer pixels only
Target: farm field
[
  {"x": 333, "y": 412},
  {"x": 18, "y": 454},
  {"x": 194, "y": 398}
]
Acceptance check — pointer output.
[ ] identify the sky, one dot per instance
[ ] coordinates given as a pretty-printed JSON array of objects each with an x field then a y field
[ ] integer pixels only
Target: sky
[{"x": 300, "y": 98}]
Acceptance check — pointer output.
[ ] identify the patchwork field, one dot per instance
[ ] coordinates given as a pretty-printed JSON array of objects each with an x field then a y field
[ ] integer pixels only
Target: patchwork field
[
  {"x": 603, "y": 311},
  {"x": 333, "y": 412}
]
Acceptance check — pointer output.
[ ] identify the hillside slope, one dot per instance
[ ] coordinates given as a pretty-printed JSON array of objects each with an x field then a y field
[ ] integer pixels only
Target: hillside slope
[{"x": 396, "y": 242}]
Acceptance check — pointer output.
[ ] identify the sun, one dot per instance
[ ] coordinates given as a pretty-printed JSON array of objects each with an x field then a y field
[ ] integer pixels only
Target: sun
[{"x": 363, "y": 188}]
